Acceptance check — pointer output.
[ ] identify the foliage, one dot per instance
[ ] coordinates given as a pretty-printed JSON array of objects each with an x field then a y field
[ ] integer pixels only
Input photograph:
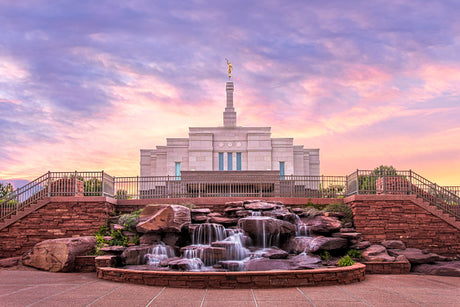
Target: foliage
[
  {"x": 339, "y": 207},
  {"x": 100, "y": 243},
  {"x": 325, "y": 256},
  {"x": 119, "y": 239},
  {"x": 136, "y": 239},
  {"x": 332, "y": 191},
  {"x": 353, "y": 253},
  {"x": 92, "y": 187},
  {"x": 122, "y": 194},
  {"x": 312, "y": 212},
  {"x": 130, "y": 220},
  {"x": 104, "y": 230},
  {"x": 367, "y": 182},
  {"x": 5, "y": 189},
  {"x": 345, "y": 261}
]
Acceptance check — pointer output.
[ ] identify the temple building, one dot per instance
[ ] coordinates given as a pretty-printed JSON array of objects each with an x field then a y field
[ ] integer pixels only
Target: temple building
[{"x": 229, "y": 148}]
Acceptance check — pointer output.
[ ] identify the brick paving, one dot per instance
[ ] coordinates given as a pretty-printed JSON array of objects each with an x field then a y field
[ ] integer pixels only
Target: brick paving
[{"x": 37, "y": 288}]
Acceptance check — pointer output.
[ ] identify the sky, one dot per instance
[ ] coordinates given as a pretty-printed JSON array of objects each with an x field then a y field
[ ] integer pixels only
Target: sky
[{"x": 84, "y": 85}]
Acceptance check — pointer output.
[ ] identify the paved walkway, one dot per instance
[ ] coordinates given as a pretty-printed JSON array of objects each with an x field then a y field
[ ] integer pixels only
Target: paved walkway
[{"x": 36, "y": 288}]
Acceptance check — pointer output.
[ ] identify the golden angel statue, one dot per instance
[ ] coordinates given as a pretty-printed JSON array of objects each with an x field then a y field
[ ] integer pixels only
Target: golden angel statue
[{"x": 230, "y": 67}]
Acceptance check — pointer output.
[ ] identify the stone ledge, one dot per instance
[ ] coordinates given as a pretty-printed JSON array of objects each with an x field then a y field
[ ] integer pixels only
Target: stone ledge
[
  {"x": 237, "y": 280},
  {"x": 397, "y": 267}
]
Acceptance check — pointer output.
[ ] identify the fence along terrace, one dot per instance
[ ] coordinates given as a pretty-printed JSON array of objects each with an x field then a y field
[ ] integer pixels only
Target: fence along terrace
[{"x": 197, "y": 184}]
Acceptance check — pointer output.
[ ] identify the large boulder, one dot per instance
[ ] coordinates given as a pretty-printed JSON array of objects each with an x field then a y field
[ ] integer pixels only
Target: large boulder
[
  {"x": 163, "y": 218},
  {"x": 377, "y": 253},
  {"x": 265, "y": 230},
  {"x": 183, "y": 264},
  {"x": 450, "y": 268},
  {"x": 58, "y": 255},
  {"x": 326, "y": 244},
  {"x": 298, "y": 245},
  {"x": 262, "y": 205},
  {"x": 416, "y": 256},
  {"x": 323, "y": 224}
]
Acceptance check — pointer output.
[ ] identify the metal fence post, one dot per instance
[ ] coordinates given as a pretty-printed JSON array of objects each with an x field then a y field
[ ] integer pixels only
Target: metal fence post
[
  {"x": 75, "y": 183},
  {"x": 410, "y": 181},
  {"x": 102, "y": 182},
  {"x": 49, "y": 184},
  {"x": 357, "y": 181}
]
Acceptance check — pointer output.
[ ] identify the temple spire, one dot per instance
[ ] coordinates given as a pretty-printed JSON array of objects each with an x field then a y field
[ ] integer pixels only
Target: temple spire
[{"x": 229, "y": 114}]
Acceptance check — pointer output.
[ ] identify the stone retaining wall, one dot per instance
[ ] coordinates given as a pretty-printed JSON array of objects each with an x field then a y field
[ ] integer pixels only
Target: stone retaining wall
[
  {"x": 401, "y": 217},
  {"x": 85, "y": 264},
  {"x": 399, "y": 267},
  {"x": 61, "y": 217},
  {"x": 237, "y": 280}
]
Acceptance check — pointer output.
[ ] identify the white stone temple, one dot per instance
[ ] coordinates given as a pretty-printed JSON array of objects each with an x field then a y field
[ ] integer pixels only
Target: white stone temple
[{"x": 229, "y": 148}]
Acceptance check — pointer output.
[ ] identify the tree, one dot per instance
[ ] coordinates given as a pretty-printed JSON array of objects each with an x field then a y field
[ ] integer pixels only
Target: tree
[
  {"x": 367, "y": 182},
  {"x": 5, "y": 189}
]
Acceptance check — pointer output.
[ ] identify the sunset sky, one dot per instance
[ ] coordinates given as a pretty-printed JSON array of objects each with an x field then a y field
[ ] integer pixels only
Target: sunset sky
[{"x": 85, "y": 84}]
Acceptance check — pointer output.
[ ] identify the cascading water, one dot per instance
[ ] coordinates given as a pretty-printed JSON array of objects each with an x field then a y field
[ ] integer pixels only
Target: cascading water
[
  {"x": 303, "y": 230},
  {"x": 158, "y": 253},
  {"x": 207, "y": 233}
]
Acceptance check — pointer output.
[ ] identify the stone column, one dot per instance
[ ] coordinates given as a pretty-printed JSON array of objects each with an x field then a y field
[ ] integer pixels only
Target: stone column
[{"x": 229, "y": 114}]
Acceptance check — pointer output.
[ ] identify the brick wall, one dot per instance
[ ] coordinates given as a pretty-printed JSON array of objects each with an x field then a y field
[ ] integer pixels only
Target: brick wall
[
  {"x": 61, "y": 217},
  {"x": 400, "y": 217}
]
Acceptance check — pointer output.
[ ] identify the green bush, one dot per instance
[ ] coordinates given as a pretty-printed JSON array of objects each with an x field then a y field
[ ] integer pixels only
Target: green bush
[
  {"x": 325, "y": 256},
  {"x": 345, "y": 261},
  {"x": 130, "y": 220},
  {"x": 353, "y": 253},
  {"x": 118, "y": 238},
  {"x": 339, "y": 207}
]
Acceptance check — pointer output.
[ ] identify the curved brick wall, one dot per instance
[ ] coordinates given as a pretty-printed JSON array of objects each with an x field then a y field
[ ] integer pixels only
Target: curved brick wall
[{"x": 252, "y": 279}]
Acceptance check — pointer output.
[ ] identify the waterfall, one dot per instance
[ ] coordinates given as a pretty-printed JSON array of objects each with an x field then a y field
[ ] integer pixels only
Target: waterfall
[
  {"x": 207, "y": 233},
  {"x": 158, "y": 253}
]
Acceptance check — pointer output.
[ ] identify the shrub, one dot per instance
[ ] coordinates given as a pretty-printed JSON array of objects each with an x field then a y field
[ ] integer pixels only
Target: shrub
[
  {"x": 118, "y": 238},
  {"x": 353, "y": 253},
  {"x": 130, "y": 220},
  {"x": 338, "y": 207},
  {"x": 345, "y": 261},
  {"x": 325, "y": 256}
]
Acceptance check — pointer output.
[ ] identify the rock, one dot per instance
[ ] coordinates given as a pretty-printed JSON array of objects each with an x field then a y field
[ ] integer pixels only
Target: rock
[
  {"x": 183, "y": 264},
  {"x": 297, "y": 245},
  {"x": 402, "y": 258},
  {"x": 282, "y": 214},
  {"x": 117, "y": 227},
  {"x": 163, "y": 218},
  {"x": 348, "y": 225},
  {"x": 136, "y": 254},
  {"x": 338, "y": 215},
  {"x": 227, "y": 221},
  {"x": 113, "y": 250},
  {"x": 200, "y": 211},
  {"x": 451, "y": 268},
  {"x": 172, "y": 238},
  {"x": 10, "y": 262},
  {"x": 323, "y": 224},
  {"x": 260, "y": 205},
  {"x": 305, "y": 261},
  {"x": 377, "y": 253},
  {"x": 208, "y": 254},
  {"x": 214, "y": 214},
  {"x": 394, "y": 244},
  {"x": 199, "y": 218},
  {"x": 265, "y": 264},
  {"x": 242, "y": 213},
  {"x": 263, "y": 230},
  {"x": 274, "y": 253},
  {"x": 416, "y": 256},
  {"x": 348, "y": 235},
  {"x": 150, "y": 238},
  {"x": 326, "y": 244},
  {"x": 343, "y": 229},
  {"x": 234, "y": 204},
  {"x": 233, "y": 209},
  {"x": 361, "y": 245},
  {"x": 231, "y": 265},
  {"x": 58, "y": 255},
  {"x": 298, "y": 211}
]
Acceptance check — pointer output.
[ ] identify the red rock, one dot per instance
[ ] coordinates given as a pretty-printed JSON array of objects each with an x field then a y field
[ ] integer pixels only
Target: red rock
[
  {"x": 451, "y": 268},
  {"x": 223, "y": 220},
  {"x": 261, "y": 206},
  {"x": 327, "y": 244},
  {"x": 200, "y": 211},
  {"x": 163, "y": 218},
  {"x": 323, "y": 224},
  {"x": 377, "y": 253},
  {"x": 150, "y": 238},
  {"x": 58, "y": 255},
  {"x": 394, "y": 244},
  {"x": 9, "y": 262},
  {"x": 416, "y": 256}
]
